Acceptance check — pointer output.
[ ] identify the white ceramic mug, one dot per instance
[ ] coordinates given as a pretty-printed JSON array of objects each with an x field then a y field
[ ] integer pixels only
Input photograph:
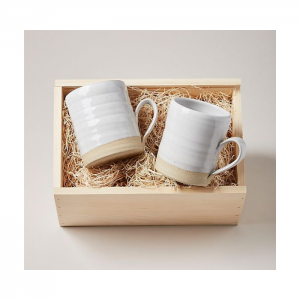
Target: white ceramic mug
[
  {"x": 106, "y": 128},
  {"x": 192, "y": 141}
]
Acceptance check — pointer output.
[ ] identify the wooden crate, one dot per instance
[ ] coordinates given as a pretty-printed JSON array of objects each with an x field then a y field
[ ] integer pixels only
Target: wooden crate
[{"x": 79, "y": 206}]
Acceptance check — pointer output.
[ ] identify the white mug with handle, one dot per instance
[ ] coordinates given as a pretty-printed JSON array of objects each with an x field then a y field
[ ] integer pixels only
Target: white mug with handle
[
  {"x": 105, "y": 126},
  {"x": 192, "y": 141}
]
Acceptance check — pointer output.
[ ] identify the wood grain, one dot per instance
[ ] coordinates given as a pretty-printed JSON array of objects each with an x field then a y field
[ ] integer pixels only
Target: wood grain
[
  {"x": 157, "y": 82},
  {"x": 57, "y": 138},
  {"x": 138, "y": 206},
  {"x": 237, "y": 130}
]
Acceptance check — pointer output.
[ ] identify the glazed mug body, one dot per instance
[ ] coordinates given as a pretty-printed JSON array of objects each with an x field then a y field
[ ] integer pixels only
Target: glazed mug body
[
  {"x": 191, "y": 141},
  {"x": 105, "y": 125}
]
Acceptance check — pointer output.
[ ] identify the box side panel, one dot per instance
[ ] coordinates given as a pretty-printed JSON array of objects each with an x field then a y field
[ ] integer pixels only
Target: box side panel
[
  {"x": 57, "y": 138},
  {"x": 237, "y": 131},
  {"x": 149, "y": 209},
  {"x": 157, "y": 82}
]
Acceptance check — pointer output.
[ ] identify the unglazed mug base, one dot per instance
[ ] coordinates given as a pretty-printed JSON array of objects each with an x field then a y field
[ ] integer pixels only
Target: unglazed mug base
[
  {"x": 183, "y": 176},
  {"x": 116, "y": 150}
]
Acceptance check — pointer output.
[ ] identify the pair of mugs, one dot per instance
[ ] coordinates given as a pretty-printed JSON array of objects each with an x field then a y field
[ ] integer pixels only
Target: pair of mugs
[{"x": 106, "y": 129}]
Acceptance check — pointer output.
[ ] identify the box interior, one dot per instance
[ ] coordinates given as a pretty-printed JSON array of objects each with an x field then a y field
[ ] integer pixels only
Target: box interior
[{"x": 135, "y": 93}]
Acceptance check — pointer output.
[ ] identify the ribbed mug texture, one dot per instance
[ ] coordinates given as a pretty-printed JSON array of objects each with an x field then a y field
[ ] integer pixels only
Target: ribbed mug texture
[
  {"x": 101, "y": 113},
  {"x": 193, "y": 131}
]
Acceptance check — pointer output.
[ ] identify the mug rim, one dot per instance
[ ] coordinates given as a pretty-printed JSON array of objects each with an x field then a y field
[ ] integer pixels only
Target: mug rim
[
  {"x": 225, "y": 113},
  {"x": 76, "y": 93}
]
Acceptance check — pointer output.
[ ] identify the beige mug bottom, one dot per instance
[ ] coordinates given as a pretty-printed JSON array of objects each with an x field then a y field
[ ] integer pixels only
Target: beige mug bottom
[
  {"x": 120, "y": 149},
  {"x": 183, "y": 176}
]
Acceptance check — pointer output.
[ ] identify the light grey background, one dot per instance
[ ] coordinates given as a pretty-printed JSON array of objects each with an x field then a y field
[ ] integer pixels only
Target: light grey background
[{"x": 250, "y": 55}]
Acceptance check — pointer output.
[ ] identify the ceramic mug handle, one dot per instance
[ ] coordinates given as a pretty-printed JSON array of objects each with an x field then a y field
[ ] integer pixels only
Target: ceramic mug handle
[
  {"x": 142, "y": 103},
  {"x": 243, "y": 148}
]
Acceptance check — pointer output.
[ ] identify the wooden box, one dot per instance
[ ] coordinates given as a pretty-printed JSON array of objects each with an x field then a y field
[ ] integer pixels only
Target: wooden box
[{"x": 139, "y": 206}]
